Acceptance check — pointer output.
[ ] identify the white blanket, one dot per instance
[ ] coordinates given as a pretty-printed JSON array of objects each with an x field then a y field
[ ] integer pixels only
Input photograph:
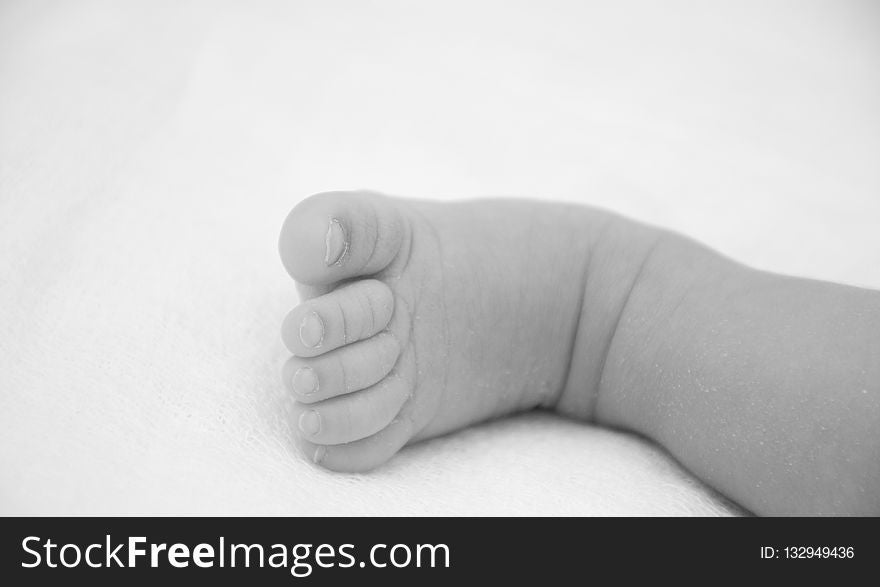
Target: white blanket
[{"x": 150, "y": 150}]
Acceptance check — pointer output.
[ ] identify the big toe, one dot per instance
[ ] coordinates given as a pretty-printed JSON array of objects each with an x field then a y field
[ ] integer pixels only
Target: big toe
[{"x": 333, "y": 236}]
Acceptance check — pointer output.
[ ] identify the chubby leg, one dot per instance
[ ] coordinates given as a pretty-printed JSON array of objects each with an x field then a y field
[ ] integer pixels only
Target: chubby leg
[{"x": 765, "y": 386}]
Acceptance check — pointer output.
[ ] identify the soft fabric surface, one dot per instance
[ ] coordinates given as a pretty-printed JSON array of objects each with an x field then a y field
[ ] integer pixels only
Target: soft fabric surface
[{"x": 149, "y": 151}]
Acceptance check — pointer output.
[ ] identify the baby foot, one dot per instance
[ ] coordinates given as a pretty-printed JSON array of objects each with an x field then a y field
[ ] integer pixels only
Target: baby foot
[{"x": 419, "y": 318}]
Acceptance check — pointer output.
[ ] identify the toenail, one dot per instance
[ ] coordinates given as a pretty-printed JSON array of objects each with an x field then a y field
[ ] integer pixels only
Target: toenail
[
  {"x": 305, "y": 381},
  {"x": 319, "y": 454},
  {"x": 311, "y": 330},
  {"x": 336, "y": 243},
  {"x": 310, "y": 422}
]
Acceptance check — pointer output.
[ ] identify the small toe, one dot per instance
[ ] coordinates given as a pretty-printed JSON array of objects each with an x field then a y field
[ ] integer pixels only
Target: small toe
[
  {"x": 354, "y": 416},
  {"x": 347, "y": 369},
  {"x": 361, "y": 455},
  {"x": 351, "y": 313}
]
